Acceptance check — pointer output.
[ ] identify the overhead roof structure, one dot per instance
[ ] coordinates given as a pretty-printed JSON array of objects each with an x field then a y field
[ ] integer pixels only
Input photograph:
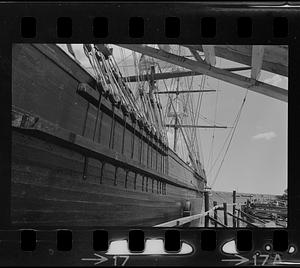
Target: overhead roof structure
[
  {"x": 259, "y": 57},
  {"x": 275, "y": 58}
]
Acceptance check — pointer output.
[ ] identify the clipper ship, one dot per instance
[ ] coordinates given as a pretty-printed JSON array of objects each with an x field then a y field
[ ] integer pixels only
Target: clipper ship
[{"x": 91, "y": 147}]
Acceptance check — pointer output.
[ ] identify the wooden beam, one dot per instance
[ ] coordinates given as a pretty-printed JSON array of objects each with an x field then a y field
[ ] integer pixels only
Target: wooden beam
[
  {"x": 235, "y": 217},
  {"x": 70, "y": 49},
  {"x": 196, "y": 55},
  {"x": 215, "y": 203},
  {"x": 160, "y": 76},
  {"x": 169, "y": 75},
  {"x": 224, "y": 75},
  {"x": 188, "y": 219},
  {"x": 256, "y": 61},
  {"x": 183, "y": 91},
  {"x": 216, "y": 222},
  {"x": 275, "y": 57},
  {"x": 194, "y": 126},
  {"x": 210, "y": 56}
]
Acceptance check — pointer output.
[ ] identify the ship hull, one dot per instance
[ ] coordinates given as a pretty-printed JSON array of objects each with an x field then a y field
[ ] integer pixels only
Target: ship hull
[{"x": 76, "y": 165}]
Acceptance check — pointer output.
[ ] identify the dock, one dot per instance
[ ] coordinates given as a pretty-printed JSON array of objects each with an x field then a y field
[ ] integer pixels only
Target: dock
[{"x": 225, "y": 216}]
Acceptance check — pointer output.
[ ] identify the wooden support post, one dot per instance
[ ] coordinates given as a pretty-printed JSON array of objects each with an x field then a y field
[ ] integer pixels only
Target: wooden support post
[
  {"x": 101, "y": 172},
  {"x": 126, "y": 178},
  {"x": 85, "y": 167},
  {"x": 135, "y": 178},
  {"x": 86, "y": 160},
  {"x": 123, "y": 135},
  {"x": 215, "y": 213},
  {"x": 238, "y": 219},
  {"x": 112, "y": 130},
  {"x": 97, "y": 116},
  {"x": 141, "y": 144},
  {"x": 209, "y": 52},
  {"x": 116, "y": 177},
  {"x": 225, "y": 213},
  {"x": 166, "y": 163},
  {"x": 156, "y": 159},
  {"x": 148, "y": 148},
  {"x": 132, "y": 140},
  {"x": 161, "y": 162},
  {"x": 257, "y": 61},
  {"x": 100, "y": 127},
  {"x": 206, "y": 208},
  {"x": 233, "y": 209},
  {"x": 151, "y": 151}
]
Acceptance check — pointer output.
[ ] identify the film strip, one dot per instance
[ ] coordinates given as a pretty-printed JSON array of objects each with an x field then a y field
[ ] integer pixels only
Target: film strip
[{"x": 88, "y": 176}]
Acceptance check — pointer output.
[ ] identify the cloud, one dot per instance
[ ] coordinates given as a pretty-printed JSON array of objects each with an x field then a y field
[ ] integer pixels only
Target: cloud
[
  {"x": 273, "y": 80},
  {"x": 266, "y": 135}
]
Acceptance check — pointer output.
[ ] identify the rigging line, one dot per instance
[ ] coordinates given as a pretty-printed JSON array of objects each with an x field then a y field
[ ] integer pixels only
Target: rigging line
[
  {"x": 197, "y": 120},
  {"x": 185, "y": 137},
  {"x": 223, "y": 159},
  {"x": 219, "y": 219},
  {"x": 198, "y": 112},
  {"x": 190, "y": 106},
  {"x": 125, "y": 91},
  {"x": 124, "y": 58},
  {"x": 213, "y": 134},
  {"x": 218, "y": 194},
  {"x": 191, "y": 144},
  {"x": 219, "y": 154},
  {"x": 181, "y": 129},
  {"x": 169, "y": 100},
  {"x": 139, "y": 86},
  {"x": 235, "y": 127},
  {"x": 199, "y": 105},
  {"x": 197, "y": 146},
  {"x": 185, "y": 106},
  {"x": 123, "y": 67},
  {"x": 137, "y": 72}
]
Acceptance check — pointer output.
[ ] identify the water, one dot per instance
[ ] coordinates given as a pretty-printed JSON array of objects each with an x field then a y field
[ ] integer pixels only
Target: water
[{"x": 226, "y": 197}]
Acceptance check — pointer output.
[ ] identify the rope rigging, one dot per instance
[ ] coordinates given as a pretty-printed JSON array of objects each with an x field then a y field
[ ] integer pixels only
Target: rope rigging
[
  {"x": 185, "y": 108},
  {"x": 231, "y": 136}
]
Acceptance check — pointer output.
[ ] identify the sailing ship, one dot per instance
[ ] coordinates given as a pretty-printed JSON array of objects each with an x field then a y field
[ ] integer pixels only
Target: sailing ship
[
  {"x": 84, "y": 153},
  {"x": 96, "y": 146}
]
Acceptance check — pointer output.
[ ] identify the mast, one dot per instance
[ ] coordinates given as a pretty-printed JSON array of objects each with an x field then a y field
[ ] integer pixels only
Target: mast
[
  {"x": 176, "y": 117},
  {"x": 151, "y": 96},
  {"x": 170, "y": 75}
]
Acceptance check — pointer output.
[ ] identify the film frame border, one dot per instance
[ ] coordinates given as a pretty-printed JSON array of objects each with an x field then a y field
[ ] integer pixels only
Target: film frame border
[{"x": 118, "y": 32}]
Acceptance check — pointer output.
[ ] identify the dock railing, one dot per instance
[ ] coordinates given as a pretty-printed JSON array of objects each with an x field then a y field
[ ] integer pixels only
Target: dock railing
[{"x": 188, "y": 219}]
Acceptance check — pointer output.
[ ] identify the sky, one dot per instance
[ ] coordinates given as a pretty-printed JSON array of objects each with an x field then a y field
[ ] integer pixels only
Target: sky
[{"x": 256, "y": 161}]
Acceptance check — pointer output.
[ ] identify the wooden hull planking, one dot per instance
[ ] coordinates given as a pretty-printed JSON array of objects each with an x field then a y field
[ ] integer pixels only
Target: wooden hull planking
[{"x": 54, "y": 184}]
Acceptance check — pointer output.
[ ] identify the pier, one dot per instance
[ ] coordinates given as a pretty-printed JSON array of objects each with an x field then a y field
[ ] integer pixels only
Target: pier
[{"x": 224, "y": 215}]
